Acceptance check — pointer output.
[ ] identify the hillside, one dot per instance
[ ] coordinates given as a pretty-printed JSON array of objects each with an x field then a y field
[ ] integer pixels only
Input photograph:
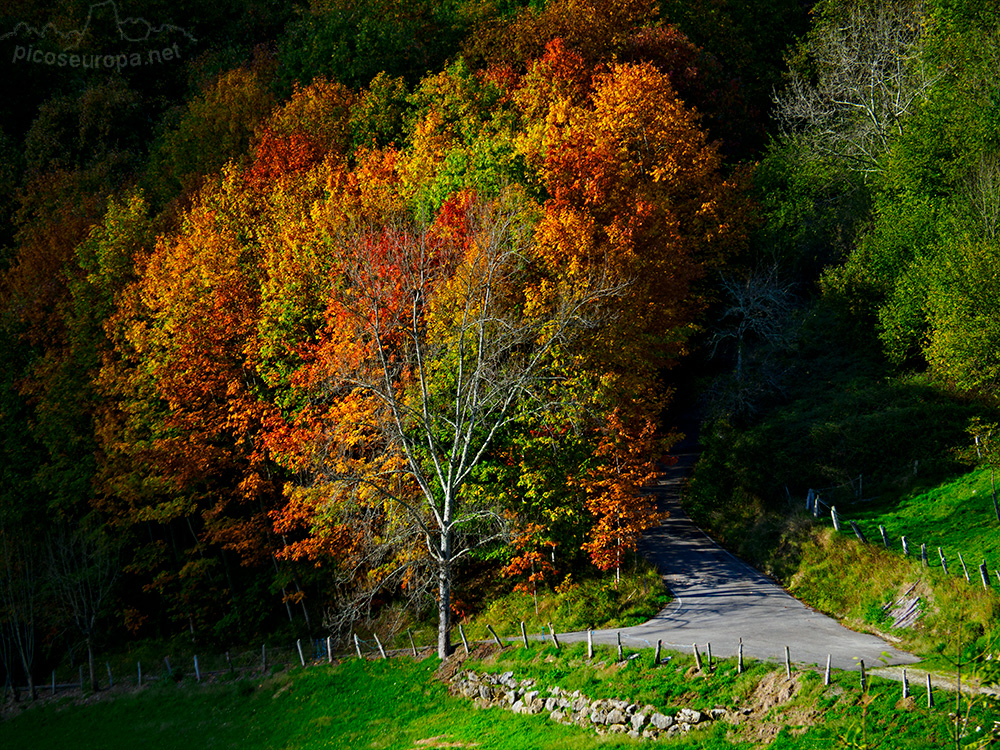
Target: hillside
[{"x": 373, "y": 316}]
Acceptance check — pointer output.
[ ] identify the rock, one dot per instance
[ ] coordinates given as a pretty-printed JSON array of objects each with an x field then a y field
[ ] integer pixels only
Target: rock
[
  {"x": 558, "y": 716},
  {"x": 597, "y": 716},
  {"x": 551, "y": 704},
  {"x": 650, "y": 734},
  {"x": 718, "y": 713},
  {"x": 689, "y": 716},
  {"x": 615, "y": 716},
  {"x": 581, "y": 704},
  {"x": 507, "y": 677},
  {"x": 518, "y": 708},
  {"x": 661, "y": 721},
  {"x": 530, "y": 696},
  {"x": 648, "y": 709},
  {"x": 683, "y": 726},
  {"x": 638, "y": 720},
  {"x": 485, "y": 692},
  {"x": 617, "y": 729}
]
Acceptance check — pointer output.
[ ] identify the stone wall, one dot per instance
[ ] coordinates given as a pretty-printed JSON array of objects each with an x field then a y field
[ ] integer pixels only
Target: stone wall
[{"x": 606, "y": 716}]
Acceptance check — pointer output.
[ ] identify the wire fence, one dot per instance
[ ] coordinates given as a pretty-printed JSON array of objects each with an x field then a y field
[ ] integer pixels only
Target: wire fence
[{"x": 936, "y": 557}]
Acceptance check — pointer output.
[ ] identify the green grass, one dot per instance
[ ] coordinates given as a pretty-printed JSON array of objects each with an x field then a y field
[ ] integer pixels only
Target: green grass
[
  {"x": 571, "y": 606},
  {"x": 817, "y": 716},
  {"x": 957, "y": 516},
  {"x": 400, "y": 705}
]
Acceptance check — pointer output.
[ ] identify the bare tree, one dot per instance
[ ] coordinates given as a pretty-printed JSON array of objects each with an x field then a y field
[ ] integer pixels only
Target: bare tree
[
  {"x": 866, "y": 70},
  {"x": 983, "y": 194},
  {"x": 83, "y": 567},
  {"x": 20, "y": 592},
  {"x": 756, "y": 318},
  {"x": 446, "y": 352}
]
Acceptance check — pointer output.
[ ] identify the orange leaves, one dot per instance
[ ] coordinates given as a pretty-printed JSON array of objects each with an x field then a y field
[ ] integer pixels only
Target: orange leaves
[
  {"x": 624, "y": 463},
  {"x": 531, "y": 547}
]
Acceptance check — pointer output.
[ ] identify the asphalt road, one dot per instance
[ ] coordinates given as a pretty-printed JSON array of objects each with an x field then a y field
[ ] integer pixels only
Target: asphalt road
[{"x": 719, "y": 600}]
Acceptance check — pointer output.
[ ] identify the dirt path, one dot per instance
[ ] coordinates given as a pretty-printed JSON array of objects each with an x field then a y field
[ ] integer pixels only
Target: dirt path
[{"x": 719, "y": 600}]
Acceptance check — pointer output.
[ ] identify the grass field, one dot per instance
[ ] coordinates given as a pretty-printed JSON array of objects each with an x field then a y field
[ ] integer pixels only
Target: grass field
[{"x": 400, "y": 705}]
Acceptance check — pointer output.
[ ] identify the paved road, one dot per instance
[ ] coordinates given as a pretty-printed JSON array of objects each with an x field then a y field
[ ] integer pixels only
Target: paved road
[{"x": 720, "y": 599}]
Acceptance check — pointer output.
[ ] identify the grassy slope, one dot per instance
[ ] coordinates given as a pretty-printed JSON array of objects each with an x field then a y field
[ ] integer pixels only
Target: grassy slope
[{"x": 399, "y": 704}]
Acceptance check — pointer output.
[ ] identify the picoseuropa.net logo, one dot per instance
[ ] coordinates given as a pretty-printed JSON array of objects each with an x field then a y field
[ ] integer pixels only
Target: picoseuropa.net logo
[{"x": 138, "y": 42}]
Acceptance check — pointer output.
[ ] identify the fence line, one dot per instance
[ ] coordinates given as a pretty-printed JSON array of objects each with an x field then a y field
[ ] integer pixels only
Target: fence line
[
  {"x": 271, "y": 658},
  {"x": 815, "y": 505}
]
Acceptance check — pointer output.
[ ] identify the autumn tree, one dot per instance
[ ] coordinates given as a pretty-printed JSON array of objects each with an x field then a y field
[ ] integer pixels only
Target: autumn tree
[{"x": 437, "y": 345}]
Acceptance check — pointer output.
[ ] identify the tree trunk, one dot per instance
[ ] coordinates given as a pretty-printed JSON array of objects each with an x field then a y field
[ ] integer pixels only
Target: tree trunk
[
  {"x": 90, "y": 665},
  {"x": 444, "y": 597}
]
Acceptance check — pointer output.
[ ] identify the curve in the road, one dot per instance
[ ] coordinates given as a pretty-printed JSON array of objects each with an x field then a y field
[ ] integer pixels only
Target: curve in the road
[{"x": 719, "y": 600}]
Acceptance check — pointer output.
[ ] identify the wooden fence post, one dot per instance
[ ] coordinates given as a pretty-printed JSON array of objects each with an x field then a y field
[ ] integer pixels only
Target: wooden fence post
[
  {"x": 621, "y": 654},
  {"x": 379, "y": 644},
  {"x": 788, "y": 663},
  {"x": 826, "y": 674},
  {"x": 906, "y": 547},
  {"x": 590, "y": 643},
  {"x": 197, "y": 672},
  {"x": 857, "y": 532},
  {"x": 298, "y": 645},
  {"x": 923, "y": 555},
  {"x": 555, "y": 638},
  {"x": 465, "y": 643},
  {"x": 985, "y": 575},
  {"x": 357, "y": 645},
  {"x": 495, "y": 636},
  {"x": 864, "y": 677},
  {"x": 906, "y": 686},
  {"x": 697, "y": 656},
  {"x": 930, "y": 698},
  {"x": 413, "y": 646},
  {"x": 329, "y": 650},
  {"x": 944, "y": 561},
  {"x": 524, "y": 634},
  {"x": 885, "y": 537},
  {"x": 964, "y": 569},
  {"x": 708, "y": 650},
  {"x": 739, "y": 659},
  {"x": 835, "y": 517},
  {"x": 656, "y": 658}
]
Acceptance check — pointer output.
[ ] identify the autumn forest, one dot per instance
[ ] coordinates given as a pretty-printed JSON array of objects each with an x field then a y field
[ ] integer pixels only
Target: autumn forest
[{"x": 311, "y": 312}]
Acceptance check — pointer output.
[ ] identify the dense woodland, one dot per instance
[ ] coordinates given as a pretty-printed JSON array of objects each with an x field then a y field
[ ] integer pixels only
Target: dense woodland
[{"x": 349, "y": 306}]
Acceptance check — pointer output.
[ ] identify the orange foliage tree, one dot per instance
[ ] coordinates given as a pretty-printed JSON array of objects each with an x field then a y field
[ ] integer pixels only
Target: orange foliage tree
[{"x": 435, "y": 346}]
